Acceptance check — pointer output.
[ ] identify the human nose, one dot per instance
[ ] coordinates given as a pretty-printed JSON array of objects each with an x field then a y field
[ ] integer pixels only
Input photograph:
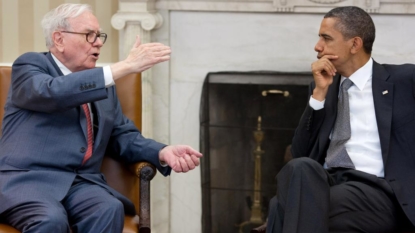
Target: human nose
[
  {"x": 98, "y": 42},
  {"x": 318, "y": 47}
]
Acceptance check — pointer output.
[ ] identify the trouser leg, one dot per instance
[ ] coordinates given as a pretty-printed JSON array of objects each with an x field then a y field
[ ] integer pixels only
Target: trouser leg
[
  {"x": 303, "y": 198},
  {"x": 364, "y": 203},
  {"x": 93, "y": 209},
  {"x": 38, "y": 217}
]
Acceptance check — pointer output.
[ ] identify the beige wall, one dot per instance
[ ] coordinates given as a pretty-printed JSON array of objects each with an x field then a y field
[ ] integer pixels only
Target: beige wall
[{"x": 20, "y": 29}]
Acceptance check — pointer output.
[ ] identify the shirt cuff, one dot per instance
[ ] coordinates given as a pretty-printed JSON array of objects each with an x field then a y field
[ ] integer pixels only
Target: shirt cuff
[
  {"x": 163, "y": 164},
  {"x": 109, "y": 80},
  {"x": 315, "y": 104}
]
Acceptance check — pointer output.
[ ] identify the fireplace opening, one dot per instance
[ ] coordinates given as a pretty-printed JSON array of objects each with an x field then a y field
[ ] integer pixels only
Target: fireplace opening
[{"x": 247, "y": 121}]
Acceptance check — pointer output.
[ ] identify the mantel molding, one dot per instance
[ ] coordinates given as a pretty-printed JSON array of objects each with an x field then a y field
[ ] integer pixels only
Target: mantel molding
[
  {"x": 143, "y": 12},
  {"x": 290, "y": 6},
  {"x": 148, "y": 21}
]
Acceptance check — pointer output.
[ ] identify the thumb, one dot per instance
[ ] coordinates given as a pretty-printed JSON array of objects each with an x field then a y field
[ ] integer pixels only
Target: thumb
[{"x": 137, "y": 41}]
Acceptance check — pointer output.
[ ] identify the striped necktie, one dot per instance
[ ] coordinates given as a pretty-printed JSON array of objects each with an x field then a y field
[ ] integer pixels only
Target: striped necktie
[{"x": 90, "y": 136}]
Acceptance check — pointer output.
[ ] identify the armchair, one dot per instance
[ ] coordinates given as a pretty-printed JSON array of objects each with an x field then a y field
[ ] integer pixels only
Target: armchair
[{"x": 133, "y": 181}]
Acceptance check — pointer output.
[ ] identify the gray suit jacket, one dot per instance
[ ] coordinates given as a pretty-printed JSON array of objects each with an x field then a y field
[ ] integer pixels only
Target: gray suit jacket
[
  {"x": 395, "y": 116},
  {"x": 44, "y": 133}
]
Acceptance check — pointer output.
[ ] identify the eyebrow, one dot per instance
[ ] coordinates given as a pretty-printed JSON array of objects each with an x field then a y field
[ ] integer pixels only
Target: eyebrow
[
  {"x": 325, "y": 35},
  {"x": 91, "y": 30}
]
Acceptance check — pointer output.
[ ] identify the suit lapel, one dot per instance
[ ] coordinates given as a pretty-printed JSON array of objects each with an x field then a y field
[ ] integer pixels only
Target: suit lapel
[
  {"x": 97, "y": 126},
  {"x": 81, "y": 113},
  {"x": 383, "y": 100}
]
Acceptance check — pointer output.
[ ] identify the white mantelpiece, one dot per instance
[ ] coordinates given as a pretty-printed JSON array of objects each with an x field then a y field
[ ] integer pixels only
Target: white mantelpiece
[
  {"x": 298, "y": 6},
  {"x": 238, "y": 35}
]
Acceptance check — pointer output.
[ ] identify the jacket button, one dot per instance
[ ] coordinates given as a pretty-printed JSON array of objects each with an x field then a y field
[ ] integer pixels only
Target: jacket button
[{"x": 82, "y": 150}]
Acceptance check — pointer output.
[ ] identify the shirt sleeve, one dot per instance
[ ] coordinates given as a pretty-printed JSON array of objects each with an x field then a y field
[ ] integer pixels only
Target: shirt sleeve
[
  {"x": 315, "y": 104},
  {"x": 109, "y": 80}
]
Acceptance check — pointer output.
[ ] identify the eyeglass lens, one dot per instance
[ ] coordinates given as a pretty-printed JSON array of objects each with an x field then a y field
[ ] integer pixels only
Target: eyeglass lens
[{"x": 92, "y": 37}]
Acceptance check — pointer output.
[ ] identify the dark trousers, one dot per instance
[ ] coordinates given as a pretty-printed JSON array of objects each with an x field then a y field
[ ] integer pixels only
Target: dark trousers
[
  {"x": 86, "y": 208},
  {"x": 311, "y": 199}
]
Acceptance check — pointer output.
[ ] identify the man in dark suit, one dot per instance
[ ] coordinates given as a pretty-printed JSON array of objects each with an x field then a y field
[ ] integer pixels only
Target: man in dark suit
[
  {"x": 353, "y": 169},
  {"x": 51, "y": 154}
]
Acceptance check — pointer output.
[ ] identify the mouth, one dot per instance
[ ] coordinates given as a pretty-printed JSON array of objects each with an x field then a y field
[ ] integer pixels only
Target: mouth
[{"x": 95, "y": 55}]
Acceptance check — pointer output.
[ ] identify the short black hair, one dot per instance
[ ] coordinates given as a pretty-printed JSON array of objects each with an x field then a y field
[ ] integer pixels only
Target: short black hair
[{"x": 354, "y": 21}]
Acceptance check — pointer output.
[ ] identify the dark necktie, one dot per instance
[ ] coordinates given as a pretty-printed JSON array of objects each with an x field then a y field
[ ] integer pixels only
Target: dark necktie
[
  {"x": 90, "y": 134},
  {"x": 337, "y": 155}
]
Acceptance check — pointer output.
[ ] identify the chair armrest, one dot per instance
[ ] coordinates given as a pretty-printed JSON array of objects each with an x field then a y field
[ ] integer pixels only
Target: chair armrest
[{"x": 145, "y": 172}]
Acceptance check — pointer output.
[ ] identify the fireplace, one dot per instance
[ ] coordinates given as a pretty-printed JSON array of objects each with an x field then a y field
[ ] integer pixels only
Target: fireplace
[{"x": 229, "y": 115}]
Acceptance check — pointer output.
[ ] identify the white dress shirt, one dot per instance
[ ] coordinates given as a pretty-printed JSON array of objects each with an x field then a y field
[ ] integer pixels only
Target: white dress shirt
[{"x": 363, "y": 146}]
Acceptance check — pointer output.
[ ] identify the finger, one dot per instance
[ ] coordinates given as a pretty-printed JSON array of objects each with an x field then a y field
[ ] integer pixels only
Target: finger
[
  {"x": 183, "y": 164},
  {"x": 195, "y": 159},
  {"x": 155, "y": 44},
  {"x": 324, "y": 66},
  {"x": 161, "y": 53},
  {"x": 189, "y": 162},
  {"x": 137, "y": 41},
  {"x": 190, "y": 150},
  {"x": 175, "y": 165},
  {"x": 330, "y": 57},
  {"x": 177, "y": 168},
  {"x": 329, "y": 69}
]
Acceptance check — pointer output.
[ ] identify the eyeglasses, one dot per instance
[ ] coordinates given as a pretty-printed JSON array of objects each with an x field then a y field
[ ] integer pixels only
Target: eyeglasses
[{"x": 91, "y": 37}]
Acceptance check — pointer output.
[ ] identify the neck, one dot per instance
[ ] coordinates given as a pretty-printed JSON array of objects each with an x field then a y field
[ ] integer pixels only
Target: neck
[{"x": 354, "y": 64}]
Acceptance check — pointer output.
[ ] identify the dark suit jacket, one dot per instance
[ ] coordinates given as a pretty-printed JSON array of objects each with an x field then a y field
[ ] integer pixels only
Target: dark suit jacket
[
  {"x": 395, "y": 116},
  {"x": 44, "y": 134}
]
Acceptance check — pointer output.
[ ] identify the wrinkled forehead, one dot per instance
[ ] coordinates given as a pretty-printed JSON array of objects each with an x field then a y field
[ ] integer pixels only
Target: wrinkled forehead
[{"x": 84, "y": 23}]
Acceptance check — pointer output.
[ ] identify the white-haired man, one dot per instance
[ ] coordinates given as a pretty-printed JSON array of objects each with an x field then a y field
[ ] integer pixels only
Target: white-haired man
[{"x": 50, "y": 158}]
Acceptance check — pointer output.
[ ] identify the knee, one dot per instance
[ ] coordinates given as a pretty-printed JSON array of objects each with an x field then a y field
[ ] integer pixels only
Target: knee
[
  {"x": 301, "y": 164},
  {"x": 50, "y": 220},
  {"x": 114, "y": 207},
  {"x": 300, "y": 167}
]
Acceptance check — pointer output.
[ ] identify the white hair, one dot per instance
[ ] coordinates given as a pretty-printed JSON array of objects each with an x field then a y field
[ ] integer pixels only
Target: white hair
[{"x": 57, "y": 19}]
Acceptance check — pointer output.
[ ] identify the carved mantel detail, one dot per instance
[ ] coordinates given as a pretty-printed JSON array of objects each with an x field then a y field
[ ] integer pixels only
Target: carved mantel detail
[
  {"x": 326, "y": 1},
  {"x": 148, "y": 21},
  {"x": 294, "y": 6},
  {"x": 317, "y": 6}
]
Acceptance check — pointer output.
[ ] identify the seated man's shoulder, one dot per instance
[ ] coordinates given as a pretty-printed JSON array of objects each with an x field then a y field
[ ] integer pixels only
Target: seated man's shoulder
[
  {"x": 399, "y": 67},
  {"x": 32, "y": 55},
  {"x": 32, "y": 59}
]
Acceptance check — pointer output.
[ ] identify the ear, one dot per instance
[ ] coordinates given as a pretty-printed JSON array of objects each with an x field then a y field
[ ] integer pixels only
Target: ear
[
  {"x": 357, "y": 45},
  {"x": 57, "y": 40}
]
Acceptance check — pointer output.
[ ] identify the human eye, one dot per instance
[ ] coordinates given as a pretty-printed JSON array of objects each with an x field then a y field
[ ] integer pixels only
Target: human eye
[{"x": 91, "y": 36}]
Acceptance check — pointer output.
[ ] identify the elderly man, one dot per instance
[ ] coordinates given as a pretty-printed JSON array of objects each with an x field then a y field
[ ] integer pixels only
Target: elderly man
[
  {"x": 354, "y": 147},
  {"x": 51, "y": 153}
]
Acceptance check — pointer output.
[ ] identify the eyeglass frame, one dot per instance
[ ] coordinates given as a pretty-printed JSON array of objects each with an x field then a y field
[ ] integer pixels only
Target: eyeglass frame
[{"x": 88, "y": 33}]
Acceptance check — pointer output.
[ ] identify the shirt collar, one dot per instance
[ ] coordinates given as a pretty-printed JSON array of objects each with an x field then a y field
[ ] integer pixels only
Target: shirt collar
[
  {"x": 62, "y": 67},
  {"x": 362, "y": 75}
]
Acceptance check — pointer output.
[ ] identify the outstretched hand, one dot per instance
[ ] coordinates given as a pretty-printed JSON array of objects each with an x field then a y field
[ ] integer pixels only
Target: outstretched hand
[
  {"x": 144, "y": 56},
  {"x": 141, "y": 58},
  {"x": 180, "y": 158}
]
